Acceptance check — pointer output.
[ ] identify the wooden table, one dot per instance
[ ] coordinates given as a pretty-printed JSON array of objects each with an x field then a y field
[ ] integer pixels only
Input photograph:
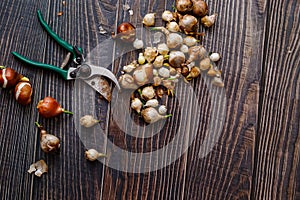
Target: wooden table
[{"x": 256, "y": 155}]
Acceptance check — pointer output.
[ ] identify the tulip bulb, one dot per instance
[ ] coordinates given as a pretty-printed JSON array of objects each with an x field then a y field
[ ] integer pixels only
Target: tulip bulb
[
  {"x": 200, "y": 8},
  {"x": 136, "y": 105},
  {"x": 176, "y": 58},
  {"x": 215, "y": 57},
  {"x": 188, "y": 23},
  {"x": 88, "y": 121},
  {"x": 162, "y": 109},
  {"x": 149, "y": 19},
  {"x": 173, "y": 27},
  {"x": 208, "y": 21},
  {"x": 183, "y": 6},
  {"x": 205, "y": 64},
  {"x": 167, "y": 16},
  {"x": 49, "y": 142},
  {"x": 93, "y": 155},
  {"x": 127, "y": 82},
  {"x": 148, "y": 93},
  {"x": 23, "y": 92},
  {"x": 126, "y": 32},
  {"x": 150, "y": 115},
  {"x": 49, "y": 107},
  {"x": 151, "y": 103},
  {"x": 9, "y": 77},
  {"x": 143, "y": 74},
  {"x": 163, "y": 49}
]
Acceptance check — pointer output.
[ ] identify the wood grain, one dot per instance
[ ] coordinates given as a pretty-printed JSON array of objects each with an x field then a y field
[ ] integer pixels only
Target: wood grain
[
  {"x": 178, "y": 177},
  {"x": 226, "y": 173},
  {"x": 278, "y": 140},
  {"x": 256, "y": 155}
]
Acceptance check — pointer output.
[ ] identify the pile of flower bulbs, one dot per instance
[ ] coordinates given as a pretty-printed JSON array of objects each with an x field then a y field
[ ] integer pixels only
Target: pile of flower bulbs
[{"x": 176, "y": 54}]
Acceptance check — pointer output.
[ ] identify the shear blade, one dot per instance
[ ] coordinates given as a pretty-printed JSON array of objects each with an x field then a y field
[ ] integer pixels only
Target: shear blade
[
  {"x": 101, "y": 71},
  {"x": 101, "y": 85}
]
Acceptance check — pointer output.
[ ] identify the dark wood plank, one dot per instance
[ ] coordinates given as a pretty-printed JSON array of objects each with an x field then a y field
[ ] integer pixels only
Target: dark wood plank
[
  {"x": 226, "y": 172},
  {"x": 81, "y": 179},
  {"x": 70, "y": 175},
  {"x": 18, "y": 139},
  {"x": 152, "y": 185},
  {"x": 233, "y": 154},
  {"x": 277, "y": 162}
]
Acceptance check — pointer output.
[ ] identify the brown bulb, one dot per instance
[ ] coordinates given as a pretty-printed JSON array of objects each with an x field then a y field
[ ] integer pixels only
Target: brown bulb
[
  {"x": 200, "y": 8},
  {"x": 183, "y": 6},
  {"x": 126, "y": 32},
  {"x": 49, "y": 107},
  {"x": 151, "y": 115},
  {"x": 188, "y": 23},
  {"x": 208, "y": 21},
  {"x": 23, "y": 92},
  {"x": 185, "y": 71},
  {"x": 9, "y": 78},
  {"x": 93, "y": 155},
  {"x": 49, "y": 143}
]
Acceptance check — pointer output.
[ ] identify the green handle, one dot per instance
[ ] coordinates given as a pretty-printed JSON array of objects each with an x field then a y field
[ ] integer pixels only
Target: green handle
[
  {"x": 61, "y": 72},
  {"x": 60, "y": 41}
]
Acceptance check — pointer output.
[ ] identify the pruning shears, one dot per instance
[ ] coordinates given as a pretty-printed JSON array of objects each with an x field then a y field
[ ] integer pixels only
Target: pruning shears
[{"x": 89, "y": 73}]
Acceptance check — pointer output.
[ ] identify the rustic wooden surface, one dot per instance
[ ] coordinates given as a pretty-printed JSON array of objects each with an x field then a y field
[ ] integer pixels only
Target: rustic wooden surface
[{"x": 257, "y": 155}]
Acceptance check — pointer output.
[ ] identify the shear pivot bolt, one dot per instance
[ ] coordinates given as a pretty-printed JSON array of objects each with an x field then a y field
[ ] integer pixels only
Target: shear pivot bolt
[{"x": 84, "y": 71}]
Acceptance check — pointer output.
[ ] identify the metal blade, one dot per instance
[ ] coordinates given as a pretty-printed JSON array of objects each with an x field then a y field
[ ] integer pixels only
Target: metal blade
[
  {"x": 96, "y": 71},
  {"x": 101, "y": 85}
]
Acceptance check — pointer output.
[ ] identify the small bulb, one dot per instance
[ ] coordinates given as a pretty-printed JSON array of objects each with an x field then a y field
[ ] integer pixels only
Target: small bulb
[
  {"x": 141, "y": 59},
  {"x": 162, "y": 110},
  {"x": 215, "y": 57},
  {"x": 173, "y": 27},
  {"x": 204, "y": 64},
  {"x": 163, "y": 49},
  {"x": 136, "y": 105},
  {"x": 138, "y": 44},
  {"x": 93, "y": 155},
  {"x": 217, "y": 81},
  {"x": 150, "y": 115},
  {"x": 156, "y": 81},
  {"x": 38, "y": 168},
  {"x": 49, "y": 143},
  {"x": 129, "y": 68},
  {"x": 164, "y": 72},
  {"x": 208, "y": 21},
  {"x": 159, "y": 61},
  {"x": 149, "y": 19},
  {"x": 148, "y": 93},
  {"x": 184, "y": 49},
  {"x": 155, "y": 72},
  {"x": 127, "y": 82},
  {"x": 143, "y": 74},
  {"x": 151, "y": 103},
  {"x": 190, "y": 41},
  {"x": 150, "y": 54},
  {"x": 167, "y": 16},
  {"x": 88, "y": 121}
]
